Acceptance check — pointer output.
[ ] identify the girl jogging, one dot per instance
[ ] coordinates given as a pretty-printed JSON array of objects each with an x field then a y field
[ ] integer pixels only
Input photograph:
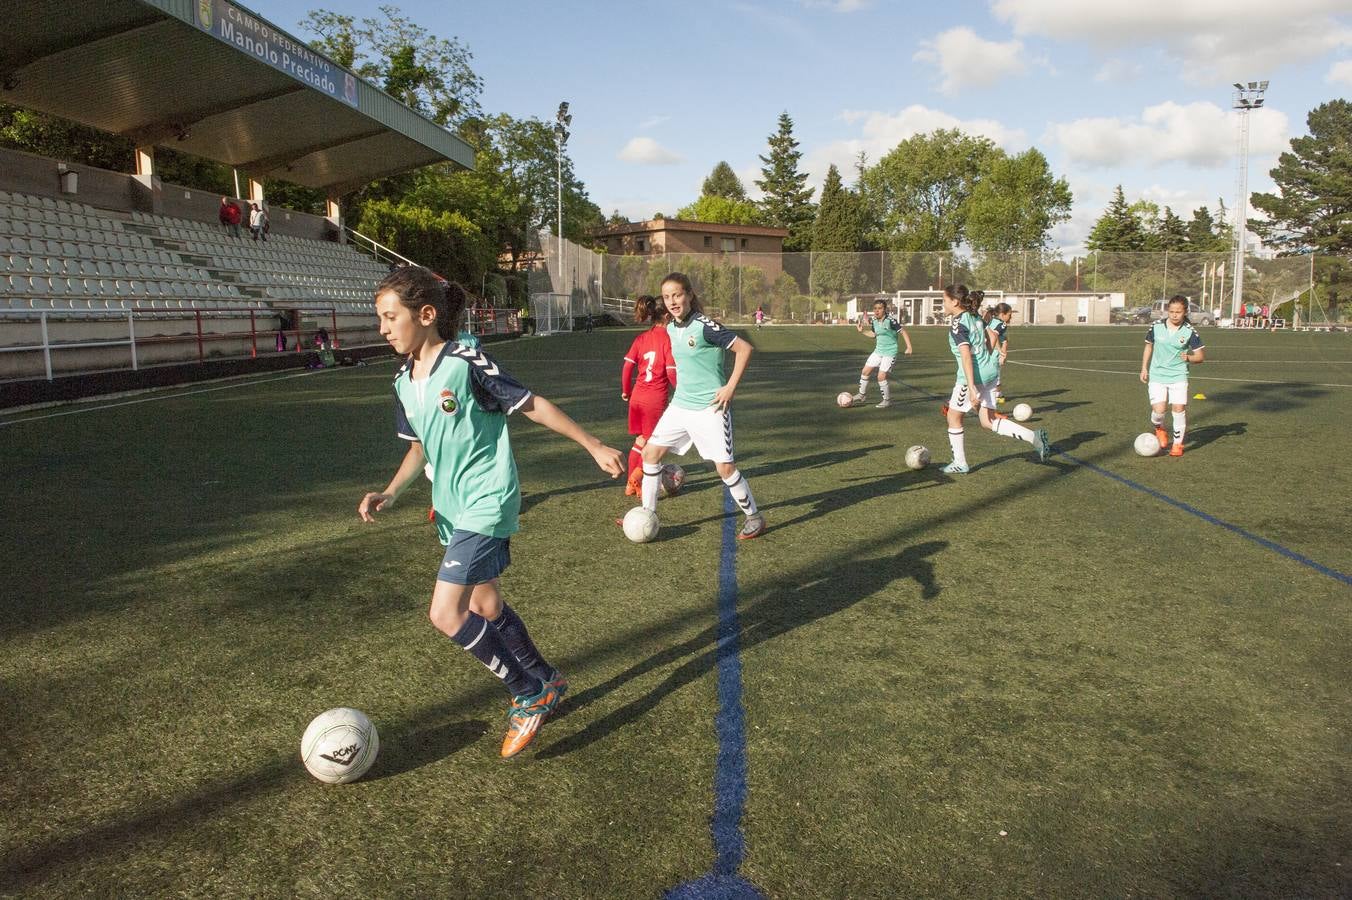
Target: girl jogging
[
  {"x": 700, "y": 413},
  {"x": 1171, "y": 345},
  {"x": 451, "y": 406}
]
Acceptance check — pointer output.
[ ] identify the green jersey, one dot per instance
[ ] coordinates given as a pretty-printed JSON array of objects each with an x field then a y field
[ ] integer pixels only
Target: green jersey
[
  {"x": 1167, "y": 365},
  {"x": 697, "y": 346},
  {"x": 459, "y": 415},
  {"x": 968, "y": 329},
  {"x": 885, "y": 335}
]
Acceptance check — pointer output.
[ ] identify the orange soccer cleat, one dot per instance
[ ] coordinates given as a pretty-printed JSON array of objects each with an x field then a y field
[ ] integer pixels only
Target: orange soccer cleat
[
  {"x": 1163, "y": 437},
  {"x": 527, "y": 714},
  {"x": 1176, "y": 449}
]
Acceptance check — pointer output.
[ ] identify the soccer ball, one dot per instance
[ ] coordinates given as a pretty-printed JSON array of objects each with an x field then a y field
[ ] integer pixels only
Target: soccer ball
[
  {"x": 1147, "y": 444},
  {"x": 339, "y": 745},
  {"x": 917, "y": 457},
  {"x": 640, "y": 525},
  {"x": 673, "y": 477},
  {"x": 844, "y": 399},
  {"x": 1023, "y": 412}
]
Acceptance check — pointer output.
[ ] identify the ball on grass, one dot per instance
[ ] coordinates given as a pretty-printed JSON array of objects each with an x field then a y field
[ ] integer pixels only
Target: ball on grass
[
  {"x": 1147, "y": 444},
  {"x": 640, "y": 525}
]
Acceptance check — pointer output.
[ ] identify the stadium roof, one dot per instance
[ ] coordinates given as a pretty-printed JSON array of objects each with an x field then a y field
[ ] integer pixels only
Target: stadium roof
[{"x": 211, "y": 78}]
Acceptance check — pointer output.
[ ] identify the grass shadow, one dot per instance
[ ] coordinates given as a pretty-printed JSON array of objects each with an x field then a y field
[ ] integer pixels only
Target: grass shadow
[
  {"x": 409, "y": 750},
  {"x": 1065, "y": 444},
  {"x": 774, "y": 614},
  {"x": 1206, "y": 434}
]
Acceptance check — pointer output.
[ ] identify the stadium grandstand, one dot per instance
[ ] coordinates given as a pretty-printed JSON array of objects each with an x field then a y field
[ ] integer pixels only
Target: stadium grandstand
[{"x": 104, "y": 270}]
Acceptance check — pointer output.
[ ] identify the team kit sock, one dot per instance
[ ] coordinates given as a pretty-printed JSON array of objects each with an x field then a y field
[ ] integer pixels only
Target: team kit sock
[
  {"x": 485, "y": 643},
  {"x": 1010, "y": 428},
  {"x": 863, "y": 387},
  {"x": 955, "y": 441},
  {"x": 635, "y": 459},
  {"x": 886, "y": 389},
  {"x": 652, "y": 482},
  {"x": 517, "y": 639},
  {"x": 1180, "y": 426},
  {"x": 1157, "y": 419},
  {"x": 741, "y": 492}
]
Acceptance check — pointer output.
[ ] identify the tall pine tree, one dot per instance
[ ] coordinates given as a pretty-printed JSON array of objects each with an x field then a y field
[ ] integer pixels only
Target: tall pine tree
[
  {"x": 1117, "y": 228},
  {"x": 1312, "y": 210},
  {"x": 723, "y": 182},
  {"x": 787, "y": 201},
  {"x": 836, "y": 236}
]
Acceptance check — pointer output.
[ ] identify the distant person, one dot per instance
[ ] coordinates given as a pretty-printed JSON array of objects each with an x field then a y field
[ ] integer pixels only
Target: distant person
[
  {"x": 1170, "y": 345},
  {"x": 587, "y": 323},
  {"x": 258, "y": 221},
  {"x": 884, "y": 329},
  {"x": 322, "y": 339},
  {"x": 230, "y": 217},
  {"x": 760, "y": 317}
]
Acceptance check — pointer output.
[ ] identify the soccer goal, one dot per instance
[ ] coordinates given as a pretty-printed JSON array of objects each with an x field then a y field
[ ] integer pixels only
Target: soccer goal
[{"x": 555, "y": 312}]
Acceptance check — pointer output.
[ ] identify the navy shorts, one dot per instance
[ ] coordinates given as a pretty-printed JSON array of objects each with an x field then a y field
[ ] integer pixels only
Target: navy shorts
[{"x": 473, "y": 558}]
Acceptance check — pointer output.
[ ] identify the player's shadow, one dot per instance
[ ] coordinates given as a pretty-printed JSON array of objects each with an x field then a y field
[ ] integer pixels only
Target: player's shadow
[
  {"x": 1270, "y": 397},
  {"x": 413, "y": 749},
  {"x": 811, "y": 461},
  {"x": 1206, "y": 434},
  {"x": 837, "y": 498},
  {"x": 774, "y": 613},
  {"x": 1060, "y": 445},
  {"x": 530, "y": 498},
  {"x": 1057, "y": 406}
]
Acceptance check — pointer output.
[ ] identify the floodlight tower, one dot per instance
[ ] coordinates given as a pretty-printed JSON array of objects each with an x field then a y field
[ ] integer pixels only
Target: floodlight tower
[
  {"x": 561, "y": 122},
  {"x": 1246, "y": 98}
]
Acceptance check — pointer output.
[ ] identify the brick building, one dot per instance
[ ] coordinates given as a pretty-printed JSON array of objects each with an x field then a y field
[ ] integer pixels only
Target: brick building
[{"x": 669, "y": 236}]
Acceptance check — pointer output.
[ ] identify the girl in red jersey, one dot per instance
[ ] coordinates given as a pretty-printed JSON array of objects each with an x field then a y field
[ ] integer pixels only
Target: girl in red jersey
[{"x": 649, "y": 358}]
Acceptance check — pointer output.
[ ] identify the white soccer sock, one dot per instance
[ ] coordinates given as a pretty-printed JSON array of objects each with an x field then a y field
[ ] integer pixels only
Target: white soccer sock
[
  {"x": 955, "y": 441},
  {"x": 1010, "y": 428},
  {"x": 652, "y": 482},
  {"x": 886, "y": 389},
  {"x": 1157, "y": 419},
  {"x": 863, "y": 387},
  {"x": 1180, "y": 426},
  {"x": 741, "y": 492}
]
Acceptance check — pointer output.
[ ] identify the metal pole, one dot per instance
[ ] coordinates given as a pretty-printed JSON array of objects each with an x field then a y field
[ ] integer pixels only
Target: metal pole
[
  {"x": 201, "y": 355},
  {"x": 1165, "y": 292},
  {"x": 253, "y": 335},
  {"x": 46, "y": 346},
  {"x": 1242, "y": 208},
  {"x": 131, "y": 334}
]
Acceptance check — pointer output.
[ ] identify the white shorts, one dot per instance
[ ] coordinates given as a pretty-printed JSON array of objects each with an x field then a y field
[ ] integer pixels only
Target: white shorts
[
  {"x": 1176, "y": 393},
  {"x": 961, "y": 399},
  {"x": 708, "y": 429},
  {"x": 879, "y": 362}
]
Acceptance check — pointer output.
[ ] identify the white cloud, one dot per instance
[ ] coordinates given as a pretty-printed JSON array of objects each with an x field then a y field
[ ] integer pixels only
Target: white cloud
[
  {"x": 968, "y": 60},
  {"x": 1196, "y": 134},
  {"x": 1340, "y": 73},
  {"x": 1208, "y": 40},
  {"x": 646, "y": 151},
  {"x": 840, "y": 6},
  {"x": 880, "y": 132},
  {"x": 652, "y": 122},
  {"x": 1118, "y": 70}
]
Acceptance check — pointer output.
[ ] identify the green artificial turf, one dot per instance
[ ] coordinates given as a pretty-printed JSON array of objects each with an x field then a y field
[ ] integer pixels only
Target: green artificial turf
[{"x": 1035, "y": 680}]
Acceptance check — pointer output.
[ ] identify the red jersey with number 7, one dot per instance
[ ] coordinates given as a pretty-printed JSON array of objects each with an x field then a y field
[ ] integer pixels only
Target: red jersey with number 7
[{"x": 649, "y": 371}]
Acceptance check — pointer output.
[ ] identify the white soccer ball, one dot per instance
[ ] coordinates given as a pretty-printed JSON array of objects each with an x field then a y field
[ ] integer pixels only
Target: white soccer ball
[
  {"x": 1023, "y": 412},
  {"x": 339, "y": 745},
  {"x": 640, "y": 525},
  {"x": 917, "y": 457},
  {"x": 1147, "y": 444},
  {"x": 844, "y": 399},
  {"x": 673, "y": 477}
]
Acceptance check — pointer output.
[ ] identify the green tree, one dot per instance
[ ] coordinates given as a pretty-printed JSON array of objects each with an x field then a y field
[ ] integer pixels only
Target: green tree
[
  {"x": 723, "y": 182},
  {"x": 787, "y": 201},
  {"x": 835, "y": 239},
  {"x": 1015, "y": 202},
  {"x": 1312, "y": 209},
  {"x": 917, "y": 193},
  {"x": 1118, "y": 228},
  {"x": 1172, "y": 232},
  {"x": 429, "y": 74},
  {"x": 713, "y": 208},
  {"x": 1202, "y": 233}
]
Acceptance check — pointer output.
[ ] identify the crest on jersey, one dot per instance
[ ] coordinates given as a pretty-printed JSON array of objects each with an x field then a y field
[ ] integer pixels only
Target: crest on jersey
[
  {"x": 448, "y": 402},
  {"x": 690, "y": 341}
]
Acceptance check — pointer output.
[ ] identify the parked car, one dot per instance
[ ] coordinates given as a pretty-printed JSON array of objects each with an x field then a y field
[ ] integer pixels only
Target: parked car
[{"x": 1196, "y": 315}]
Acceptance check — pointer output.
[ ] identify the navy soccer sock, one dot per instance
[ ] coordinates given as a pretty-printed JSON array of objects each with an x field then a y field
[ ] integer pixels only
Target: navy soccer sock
[
  {"x": 485, "y": 643},
  {"x": 517, "y": 639}
]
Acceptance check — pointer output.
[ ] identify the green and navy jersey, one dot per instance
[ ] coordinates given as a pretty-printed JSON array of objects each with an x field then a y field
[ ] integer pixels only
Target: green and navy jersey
[
  {"x": 465, "y": 339},
  {"x": 1167, "y": 365},
  {"x": 998, "y": 326},
  {"x": 885, "y": 335},
  {"x": 697, "y": 346},
  {"x": 968, "y": 329},
  {"x": 459, "y": 415}
]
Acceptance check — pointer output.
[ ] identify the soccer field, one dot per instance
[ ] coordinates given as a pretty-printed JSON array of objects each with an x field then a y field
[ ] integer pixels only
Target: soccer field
[{"x": 1099, "y": 676}]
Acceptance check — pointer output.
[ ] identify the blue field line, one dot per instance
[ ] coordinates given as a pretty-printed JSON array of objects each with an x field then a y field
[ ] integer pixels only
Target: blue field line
[
  {"x": 1207, "y": 517},
  {"x": 730, "y": 726}
]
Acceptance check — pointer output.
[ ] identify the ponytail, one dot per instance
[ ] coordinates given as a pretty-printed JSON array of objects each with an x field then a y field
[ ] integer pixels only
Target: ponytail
[{"x": 648, "y": 308}]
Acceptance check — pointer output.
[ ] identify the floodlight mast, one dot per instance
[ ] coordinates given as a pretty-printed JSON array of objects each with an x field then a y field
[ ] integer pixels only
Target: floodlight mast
[
  {"x": 1247, "y": 97},
  {"x": 561, "y": 122}
]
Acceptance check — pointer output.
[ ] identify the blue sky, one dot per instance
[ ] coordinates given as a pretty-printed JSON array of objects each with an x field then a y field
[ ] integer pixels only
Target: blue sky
[{"x": 1137, "y": 92}]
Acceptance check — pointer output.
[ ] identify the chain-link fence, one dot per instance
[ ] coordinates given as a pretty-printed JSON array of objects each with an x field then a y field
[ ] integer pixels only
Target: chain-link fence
[{"x": 806, "y": 287}]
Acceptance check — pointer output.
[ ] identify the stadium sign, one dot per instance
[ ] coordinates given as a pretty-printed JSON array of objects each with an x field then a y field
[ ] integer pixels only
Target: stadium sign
[{"x": 257, "y": 37}]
